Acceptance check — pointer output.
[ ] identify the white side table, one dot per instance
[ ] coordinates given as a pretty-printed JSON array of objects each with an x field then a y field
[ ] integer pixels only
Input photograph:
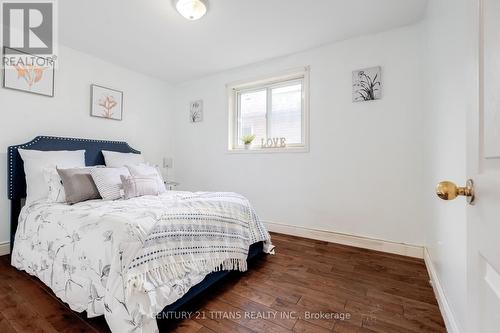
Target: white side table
[{"x": 171, "y": 185}]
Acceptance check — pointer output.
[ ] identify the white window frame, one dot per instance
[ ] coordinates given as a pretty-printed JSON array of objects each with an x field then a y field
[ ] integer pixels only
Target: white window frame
[{"x": 267, "y": 83}]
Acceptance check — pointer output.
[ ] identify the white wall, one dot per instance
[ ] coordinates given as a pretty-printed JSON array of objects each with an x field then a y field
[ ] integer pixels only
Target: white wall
[
  {"x": 363, "y": 173},
  {"x": 450, "y": 69},
  {"x": 371, "y": 169},
  {"x": 146, "y": 121}
]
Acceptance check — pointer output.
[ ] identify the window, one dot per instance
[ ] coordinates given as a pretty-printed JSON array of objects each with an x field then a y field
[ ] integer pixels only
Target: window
[{"x": 271, "y": 108}]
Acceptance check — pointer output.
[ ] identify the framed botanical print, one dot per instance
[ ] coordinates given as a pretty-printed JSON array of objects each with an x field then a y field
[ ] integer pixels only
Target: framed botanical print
[
  {"x": 196, "y": 111},
  {"x": 106, "y": 103},
  {"x": 367, "y": 84},
  {"x": 29, "y": 73}
]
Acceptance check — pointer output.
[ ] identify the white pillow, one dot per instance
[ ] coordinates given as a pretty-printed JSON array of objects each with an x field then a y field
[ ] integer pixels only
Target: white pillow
[
  {"x": 138, "y": 186},
  {"x": 108, "y": 181},
  {"x": 114, "y": 159},
  {"x": 143, "y": 169},
  {"x": 54, "y": 182},
  {"x": 34, "y": 163}
]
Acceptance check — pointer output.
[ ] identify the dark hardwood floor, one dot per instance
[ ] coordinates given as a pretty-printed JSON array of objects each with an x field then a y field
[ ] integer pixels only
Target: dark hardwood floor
[{"x": 308, "y": 286}]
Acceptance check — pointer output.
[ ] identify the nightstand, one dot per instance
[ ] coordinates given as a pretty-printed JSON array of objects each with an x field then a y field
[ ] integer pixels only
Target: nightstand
[{"x": 171, "y": 185}]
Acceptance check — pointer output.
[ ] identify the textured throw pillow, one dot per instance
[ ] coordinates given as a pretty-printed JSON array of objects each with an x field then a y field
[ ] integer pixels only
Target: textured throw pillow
[
  {"x": 145, "y": 169},
  {"x": 78, "y": 185},
  {"x": 114, "y": 159},
  {"x": 56, "y": 188},
  {"x": 137, "y": 186},
  {"x": 108, "y": 181},
  {"x": 35, "y": 161}
]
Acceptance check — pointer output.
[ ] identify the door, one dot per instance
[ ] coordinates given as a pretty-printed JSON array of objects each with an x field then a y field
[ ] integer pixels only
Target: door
[{"x": 483, "y": 157}]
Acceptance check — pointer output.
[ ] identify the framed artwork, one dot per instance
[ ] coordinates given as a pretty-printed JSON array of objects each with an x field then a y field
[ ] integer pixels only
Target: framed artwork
[
  {"x": 106, "y": 103},
  {"x": 367, "y": 84},
  {"x": 29, "y": 73},
  {"x": 196, "y": 111}
]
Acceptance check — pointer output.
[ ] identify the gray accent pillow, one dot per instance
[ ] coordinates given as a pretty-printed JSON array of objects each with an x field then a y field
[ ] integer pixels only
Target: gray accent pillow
[
  {"x": 78, "y": 185},
  {"x": 137, "y": 186}
]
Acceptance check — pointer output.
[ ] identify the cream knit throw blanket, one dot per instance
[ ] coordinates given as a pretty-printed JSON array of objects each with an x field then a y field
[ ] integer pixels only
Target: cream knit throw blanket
[{"x": 206, "y": 232}]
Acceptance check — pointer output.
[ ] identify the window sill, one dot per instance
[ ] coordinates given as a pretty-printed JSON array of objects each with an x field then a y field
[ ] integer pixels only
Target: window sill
[{"x": 257, "y": 150}]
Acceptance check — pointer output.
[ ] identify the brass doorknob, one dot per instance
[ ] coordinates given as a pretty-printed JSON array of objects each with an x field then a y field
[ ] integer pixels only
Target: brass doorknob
[{"x": 449, "y": 191}]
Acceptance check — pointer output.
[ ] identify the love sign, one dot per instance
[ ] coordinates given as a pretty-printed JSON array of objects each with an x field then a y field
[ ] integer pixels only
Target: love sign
[{"x": 273, "y": 143}]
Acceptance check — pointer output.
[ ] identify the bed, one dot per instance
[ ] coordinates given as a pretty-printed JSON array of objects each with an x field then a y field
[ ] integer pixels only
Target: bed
[{"x": 92, "y": 254}]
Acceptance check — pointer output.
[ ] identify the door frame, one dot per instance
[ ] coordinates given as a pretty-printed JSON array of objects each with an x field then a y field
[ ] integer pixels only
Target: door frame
[{"x": 476, "y": 163}]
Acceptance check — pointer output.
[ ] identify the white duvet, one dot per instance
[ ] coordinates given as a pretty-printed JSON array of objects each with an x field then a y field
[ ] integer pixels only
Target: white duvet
[{"x": 82, "y": 253}]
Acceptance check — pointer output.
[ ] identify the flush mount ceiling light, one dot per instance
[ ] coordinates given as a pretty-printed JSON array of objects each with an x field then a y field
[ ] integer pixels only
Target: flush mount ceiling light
[{"x": 191, "y": 9}]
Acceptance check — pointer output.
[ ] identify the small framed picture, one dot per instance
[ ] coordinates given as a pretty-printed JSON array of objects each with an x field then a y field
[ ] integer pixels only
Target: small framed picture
[
  {"x": 367, "y": 84},
  {"x": 106, "y": 103},
  {"x": 29, "y": 73},
  {"x": 196, "y": 111}
]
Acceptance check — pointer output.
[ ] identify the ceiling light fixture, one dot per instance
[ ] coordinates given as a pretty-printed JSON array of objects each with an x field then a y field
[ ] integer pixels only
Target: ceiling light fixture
[{"x": 191, "y": 9}]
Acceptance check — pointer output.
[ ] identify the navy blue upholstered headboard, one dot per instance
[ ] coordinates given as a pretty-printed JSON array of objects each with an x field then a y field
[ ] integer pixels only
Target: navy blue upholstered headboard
[{"x": 16, "y": 182}]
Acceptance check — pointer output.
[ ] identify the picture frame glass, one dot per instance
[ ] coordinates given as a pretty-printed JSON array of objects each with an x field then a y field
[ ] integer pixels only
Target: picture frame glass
[
  {"x": 28, "y": 73},
  {"x": 106, "y": 103},
  {"x": 367, "y": 84},
  {"x": 196, "y": 111}
]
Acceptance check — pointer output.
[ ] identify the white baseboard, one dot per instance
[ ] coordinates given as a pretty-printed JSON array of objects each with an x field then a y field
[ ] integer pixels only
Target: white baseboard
[
  {"x": 409, "y": 250},
  {"x": 444, "y": 306},
  {"x": 4, "y": 248}
]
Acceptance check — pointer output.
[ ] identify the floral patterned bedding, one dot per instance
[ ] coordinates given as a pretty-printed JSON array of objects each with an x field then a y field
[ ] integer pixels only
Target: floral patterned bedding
[{"x": 82, "y": 252}]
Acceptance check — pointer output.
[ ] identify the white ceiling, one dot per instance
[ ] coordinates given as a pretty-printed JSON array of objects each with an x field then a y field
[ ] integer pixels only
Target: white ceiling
[{"x": 149, "y": 36}]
